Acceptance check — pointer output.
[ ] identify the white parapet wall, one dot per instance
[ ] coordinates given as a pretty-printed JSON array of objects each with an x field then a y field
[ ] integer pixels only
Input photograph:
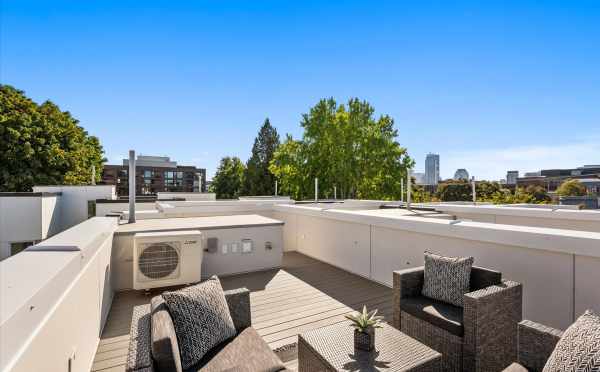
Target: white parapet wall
[
  {"x": 526, "y": 215},
  {"x": 559, "y": 269},
  {"x": 191, "y": 196},
  {"x": 74, "y": 200},
  {"x": 27, "y": 217},
  {"x": 55, "y": 298}
]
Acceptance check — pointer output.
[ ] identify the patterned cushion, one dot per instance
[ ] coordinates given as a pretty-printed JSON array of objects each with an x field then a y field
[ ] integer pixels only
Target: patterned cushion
[
  {"x": 201, "y": 319},
  {"x": 578, "y": 348},
  {"x": 447, "y": 278}
]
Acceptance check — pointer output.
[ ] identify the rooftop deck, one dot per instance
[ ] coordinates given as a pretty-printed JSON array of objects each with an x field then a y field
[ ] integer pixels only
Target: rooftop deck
[{"x": 304, "y": 294}]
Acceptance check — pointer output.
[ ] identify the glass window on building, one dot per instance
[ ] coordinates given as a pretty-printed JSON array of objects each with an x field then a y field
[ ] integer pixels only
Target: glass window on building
[
  {"x": 173, "y": 181},
  {"x": 148, "y": 175}
]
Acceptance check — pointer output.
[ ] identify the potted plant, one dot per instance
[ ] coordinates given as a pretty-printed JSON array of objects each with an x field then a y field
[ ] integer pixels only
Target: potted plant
[{"x": 364, "y": 324}]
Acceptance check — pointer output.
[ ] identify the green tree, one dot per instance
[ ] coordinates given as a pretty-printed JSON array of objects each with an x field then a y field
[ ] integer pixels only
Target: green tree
[
  {"x": 287, "y": 166},
  {"x": 228, "y": 179},
  {"x": 258, "y": 179},
  {"x": 459, "y": 190},
  {"x": 344, "y": 146},
  {"x": 571, "y": 188},
  {"x": 42, "y": 145},
  {"x": 537, "y": 194}
]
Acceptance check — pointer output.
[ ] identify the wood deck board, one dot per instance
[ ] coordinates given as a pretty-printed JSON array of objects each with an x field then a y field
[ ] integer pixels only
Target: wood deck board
[{"x": 304, "y": 294}]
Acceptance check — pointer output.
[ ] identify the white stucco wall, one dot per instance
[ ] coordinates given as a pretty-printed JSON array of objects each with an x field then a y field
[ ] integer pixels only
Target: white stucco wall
[
  {"x": 27, "y": 218},
  {"x": 559, "y": 269},
  {"x": 560, "y": 218},
  {"x": 74, "y": 200},
  {"x": 54, "y": 303}
]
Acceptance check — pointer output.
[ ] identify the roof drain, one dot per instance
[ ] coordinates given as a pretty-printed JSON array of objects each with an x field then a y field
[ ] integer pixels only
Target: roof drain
[{"x": 131, "y": 186}]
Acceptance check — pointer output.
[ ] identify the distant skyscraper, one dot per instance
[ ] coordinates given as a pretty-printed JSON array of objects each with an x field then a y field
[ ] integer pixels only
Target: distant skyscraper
[
  {"x": 511, "y": 177},
  {"x": 419, "y": 177},
  {"x": 461, "y": 174},
  {"x": 432, "y": 169}
]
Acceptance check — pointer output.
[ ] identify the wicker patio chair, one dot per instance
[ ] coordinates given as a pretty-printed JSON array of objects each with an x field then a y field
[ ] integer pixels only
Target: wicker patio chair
[
  {"x": 481, "y": 336},
  {"x": 536, "y": 343}
]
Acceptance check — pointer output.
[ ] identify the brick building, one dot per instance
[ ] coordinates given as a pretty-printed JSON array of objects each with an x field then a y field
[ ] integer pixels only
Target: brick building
[{"x": 155, "y": 174}]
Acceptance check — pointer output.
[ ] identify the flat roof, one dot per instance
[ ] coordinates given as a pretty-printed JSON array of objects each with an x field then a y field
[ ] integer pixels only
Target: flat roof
[
  {"x": 27, "y": 194},
  {"x": 199, "y": 223}
]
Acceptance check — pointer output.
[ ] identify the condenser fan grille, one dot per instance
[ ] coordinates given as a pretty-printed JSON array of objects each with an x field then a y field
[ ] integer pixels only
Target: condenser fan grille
[{"x": 158, "y": 260}]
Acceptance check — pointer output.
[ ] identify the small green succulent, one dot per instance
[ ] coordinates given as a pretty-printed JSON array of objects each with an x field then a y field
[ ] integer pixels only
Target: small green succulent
[{"x": 365, "y": 320}]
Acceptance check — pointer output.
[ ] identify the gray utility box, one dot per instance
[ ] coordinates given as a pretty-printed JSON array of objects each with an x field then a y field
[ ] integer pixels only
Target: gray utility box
[{"x": 234, "y": 250}]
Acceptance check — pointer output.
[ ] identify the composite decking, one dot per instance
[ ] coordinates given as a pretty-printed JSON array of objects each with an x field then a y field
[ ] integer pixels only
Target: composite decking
[{"x": 304, "y": 294}]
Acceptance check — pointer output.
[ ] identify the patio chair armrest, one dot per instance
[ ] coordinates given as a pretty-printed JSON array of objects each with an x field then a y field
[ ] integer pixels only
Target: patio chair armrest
[
  {"x": 407, "y": 283},
  {"x": 238, "y": 301},
  {"x": 536, "y": 343},
  {"x": 139, "y": 354},
  {"x": 490, "y": 317}
]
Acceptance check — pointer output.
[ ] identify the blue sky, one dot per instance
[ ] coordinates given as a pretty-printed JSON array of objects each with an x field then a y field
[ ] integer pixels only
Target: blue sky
[{"x": 489, "y": 85}]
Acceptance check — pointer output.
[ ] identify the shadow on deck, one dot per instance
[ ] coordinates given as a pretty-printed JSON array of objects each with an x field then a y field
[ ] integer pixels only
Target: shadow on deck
[{"x": 304, "y": 294}]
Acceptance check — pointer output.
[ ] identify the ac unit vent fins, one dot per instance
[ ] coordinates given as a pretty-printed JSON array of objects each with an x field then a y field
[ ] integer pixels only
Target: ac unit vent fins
[{"x": 158, "y": 260}]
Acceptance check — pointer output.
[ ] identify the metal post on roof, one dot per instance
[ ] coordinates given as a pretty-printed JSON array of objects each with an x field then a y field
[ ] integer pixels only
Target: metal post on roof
[
  {"x": 402, "y": 190},
  {"x": 275, "y": 187},
  {"x": 474, "y": 191},
  {"x": 93, "y": 175},
  {"x": 316, "y": 190},
  {"x": 408, "y": 187},
  {"x": 131, "y": 186},
  {"x": 334, "y": 193}
]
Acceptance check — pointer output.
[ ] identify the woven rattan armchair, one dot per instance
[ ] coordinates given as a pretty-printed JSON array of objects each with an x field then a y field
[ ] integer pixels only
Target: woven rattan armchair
[
  {"x": 536, "y": 343},
  {"x": 481, "y": 336}
]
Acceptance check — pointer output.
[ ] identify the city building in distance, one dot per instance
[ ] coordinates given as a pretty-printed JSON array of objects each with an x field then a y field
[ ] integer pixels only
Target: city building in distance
[
  {"x": 432, "y": 169},
  {"x": 461, "y": 174},
  {"x": 511, "y": 177},
  {"x": 155, "y": 174},
  {"x": 419, "y": 177},
  {"x": 551, "y": 179}
]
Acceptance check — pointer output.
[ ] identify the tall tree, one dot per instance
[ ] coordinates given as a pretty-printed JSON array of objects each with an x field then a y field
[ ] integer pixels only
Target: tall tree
[
  {"x": 347, "y": 147},
  {"x": 42, "y": 145},
  {"x": 228, "y": 180},
  {"x": 572, "y": 188},
  {"x": 258, "y": 179}
]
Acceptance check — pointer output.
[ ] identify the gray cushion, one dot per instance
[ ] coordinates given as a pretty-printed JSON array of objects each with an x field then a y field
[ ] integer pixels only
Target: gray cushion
[
  {"x": 440, "y": 314},
  {"x": 248, "y": 352},
  {"x": 579, "y": 347},
  {"x": 165, "y": 348},
  {"x": 201, "y": 319},
  {"x": 515, "y": 367},
  {"x": 447, "y": 279}
]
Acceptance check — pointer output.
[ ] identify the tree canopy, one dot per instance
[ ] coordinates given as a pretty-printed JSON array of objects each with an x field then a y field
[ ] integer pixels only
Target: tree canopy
[
  {"x": 258, "y": 179},
  {"x": 344, "y": 146},
  {"x": 462, "y": 190},
  {"x": 228, "y": 179},
  {"x": 42, "y": 145},
  {"x": 571, "y": 188}
]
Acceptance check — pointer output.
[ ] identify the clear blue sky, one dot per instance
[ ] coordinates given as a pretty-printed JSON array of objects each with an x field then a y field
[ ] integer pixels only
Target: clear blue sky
[{"x": 488, "y": 85}]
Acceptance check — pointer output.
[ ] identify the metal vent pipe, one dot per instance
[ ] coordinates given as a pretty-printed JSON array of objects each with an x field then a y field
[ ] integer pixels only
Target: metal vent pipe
[{"x": 131, "y": 186}]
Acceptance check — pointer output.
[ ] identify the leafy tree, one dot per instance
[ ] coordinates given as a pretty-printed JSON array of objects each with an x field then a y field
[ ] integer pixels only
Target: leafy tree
[
  {"x": 486, "y": 189},
  {"x": 42, "y": 145},
  {"x": 571, "y": 188},
  {"x": 455, "y": 190},
  {"x": 287, "y": 165},
  {"x": 228, "y": 179},
  {"x": 537, "y": 194},
  {"x": 344, "y": 146},
  {"x": 533, "y": 194},
  {"x": 418, "y": 194},
  {"x": 258, "y": 179}
]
